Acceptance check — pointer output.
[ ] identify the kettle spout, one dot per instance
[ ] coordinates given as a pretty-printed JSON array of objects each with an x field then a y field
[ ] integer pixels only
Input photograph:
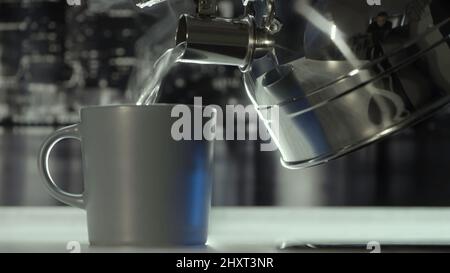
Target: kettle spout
[{"x": 222, "y": 41}]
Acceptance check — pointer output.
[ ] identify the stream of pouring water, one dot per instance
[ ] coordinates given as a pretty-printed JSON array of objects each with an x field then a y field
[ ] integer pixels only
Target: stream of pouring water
[
  {"x": 148, "y": 3},
  {"x": 151, "y": 92},
  {"x": 163, "y": 65}
]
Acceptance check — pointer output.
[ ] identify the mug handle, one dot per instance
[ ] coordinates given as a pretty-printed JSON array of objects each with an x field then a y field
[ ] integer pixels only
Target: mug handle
[{"x": 71, "y": 132}]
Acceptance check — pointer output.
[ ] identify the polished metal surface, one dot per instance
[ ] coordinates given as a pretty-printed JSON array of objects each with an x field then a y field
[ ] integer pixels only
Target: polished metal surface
[
  {"x": 208, "y": 7},
  {"x": 334, "y": 100},
  {"x": 223, "y": 41},
  {"x": 216, "y": 40},
  {"x": 361, "y": 72}
]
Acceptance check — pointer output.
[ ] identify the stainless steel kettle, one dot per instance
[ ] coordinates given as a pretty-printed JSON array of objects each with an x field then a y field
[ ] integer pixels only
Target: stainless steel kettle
[{"x": 342, "y": 73}]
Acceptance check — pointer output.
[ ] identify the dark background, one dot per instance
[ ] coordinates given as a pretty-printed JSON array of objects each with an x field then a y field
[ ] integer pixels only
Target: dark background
[{"x": 56, "y": 58}]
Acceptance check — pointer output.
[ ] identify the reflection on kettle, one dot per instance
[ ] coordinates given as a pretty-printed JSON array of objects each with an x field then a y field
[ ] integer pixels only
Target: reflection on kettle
[{"x": 359, "y": 73}]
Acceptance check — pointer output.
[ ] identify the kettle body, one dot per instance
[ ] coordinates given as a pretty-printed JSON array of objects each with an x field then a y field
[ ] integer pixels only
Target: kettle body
[{"x": 361, "y": 75}]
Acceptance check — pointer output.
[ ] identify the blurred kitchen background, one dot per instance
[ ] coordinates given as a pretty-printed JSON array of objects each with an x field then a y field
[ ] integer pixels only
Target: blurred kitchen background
[{"x": 56, "y": 58}]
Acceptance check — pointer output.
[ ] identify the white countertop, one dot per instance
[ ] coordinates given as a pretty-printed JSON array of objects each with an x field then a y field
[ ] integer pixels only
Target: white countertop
[{"x": 241, "y": 229}]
